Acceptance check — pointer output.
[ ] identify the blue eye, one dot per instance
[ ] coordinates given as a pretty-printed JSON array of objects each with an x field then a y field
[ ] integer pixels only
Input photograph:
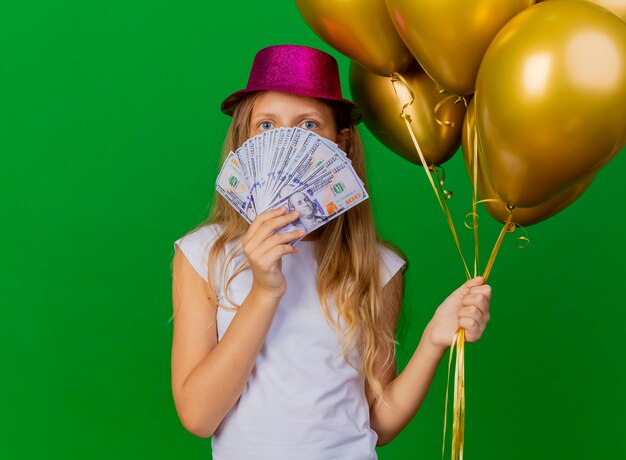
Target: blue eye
[
  {"x": 310, "y": 124},
  {"x": 265, "y": 125}
]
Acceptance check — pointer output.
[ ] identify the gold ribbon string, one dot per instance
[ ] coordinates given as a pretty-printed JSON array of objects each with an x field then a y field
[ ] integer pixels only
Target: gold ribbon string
[
  {"x": 474, "y": 153},
  {"x": 447, "y": 194},
  {"x": 442, "y": 102},
  {"x": 458, "y": 419},
  {"x": 459, "y": 399},
  {"x": 470, "y": 226},
  {"x": 458, "y": 415},
  {"x": 395, "y": 79},
  {"x": 507, "y": 228},
  {"x": 523, "y": 241}
]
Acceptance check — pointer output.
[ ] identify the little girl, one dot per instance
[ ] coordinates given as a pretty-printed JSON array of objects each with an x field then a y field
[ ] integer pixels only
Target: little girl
[{"x": 285, "y": 352}]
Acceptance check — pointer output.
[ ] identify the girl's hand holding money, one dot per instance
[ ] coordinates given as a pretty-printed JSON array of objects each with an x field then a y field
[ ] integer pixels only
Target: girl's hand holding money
[
  {"x": 466, "y": 307},
  {"x": 264, "y": 249}
]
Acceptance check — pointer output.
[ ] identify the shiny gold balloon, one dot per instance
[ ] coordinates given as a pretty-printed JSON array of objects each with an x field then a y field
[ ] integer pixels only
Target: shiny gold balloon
[
  {"x": 360, "y": 29},
  {"x": 376, "y": 96},
  {"x": 551, "y": 99},
  {"x": 498, "y": 208},
  {"x": 449, "y": 37},
  {"x": 616, "y": 6}
]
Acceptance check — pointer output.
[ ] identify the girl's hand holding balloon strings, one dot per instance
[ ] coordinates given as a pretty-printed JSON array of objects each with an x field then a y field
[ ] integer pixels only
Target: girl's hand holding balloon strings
[{"x": 466, "y": 307}]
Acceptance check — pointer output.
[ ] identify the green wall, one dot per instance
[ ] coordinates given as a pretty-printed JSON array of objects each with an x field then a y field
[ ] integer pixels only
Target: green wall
[{"x": 109, "y": 133}]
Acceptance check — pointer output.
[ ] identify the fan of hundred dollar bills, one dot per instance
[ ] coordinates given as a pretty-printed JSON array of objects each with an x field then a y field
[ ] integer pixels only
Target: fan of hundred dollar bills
[{"x": 290, "y": 167}]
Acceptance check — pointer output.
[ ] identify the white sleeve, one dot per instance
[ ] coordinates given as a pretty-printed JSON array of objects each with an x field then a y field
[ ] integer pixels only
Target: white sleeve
[
  {"x": 196, "y": 245},
  {"x": 391, "y": 263}
]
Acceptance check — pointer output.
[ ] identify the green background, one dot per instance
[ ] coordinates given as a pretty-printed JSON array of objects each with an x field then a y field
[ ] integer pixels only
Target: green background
[{"x": 110, "y": 132}]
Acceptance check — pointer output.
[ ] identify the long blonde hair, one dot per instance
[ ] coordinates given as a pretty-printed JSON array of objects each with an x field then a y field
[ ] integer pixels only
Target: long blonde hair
[{"x": 347, "y": 253}]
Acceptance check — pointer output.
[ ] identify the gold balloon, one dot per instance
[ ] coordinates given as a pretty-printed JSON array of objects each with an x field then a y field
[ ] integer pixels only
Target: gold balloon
[
  {"x": 376, "y": 96},
  {"x": 616, "y": 6},
  {"x": 449, "y": 37},
  {"x": 360, "y": 29},
  {"x": 551, "y": 99},
  {"x": 498, "y": 208}
]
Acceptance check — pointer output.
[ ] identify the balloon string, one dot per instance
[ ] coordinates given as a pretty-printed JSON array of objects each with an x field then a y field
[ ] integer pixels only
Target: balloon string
[
  {"x": 474, "y": 153},
  {"x": 459, "y": 393},
  {"x": 458, "y": 411},
  {"x": 460, "y": 403},
  {"x": 473, "y": 162},
  {"x": 524, "y": 240},
  {"x": 438, "y": 106},
  {"x": 447, "y": 194},
  {"x": 442, "y": 102},
  {"x": 397, "y": 78},
  {"x": 507, "y": 228},
  {"x": 458, "y": 420},
  {"x": 458, "y": 424}
]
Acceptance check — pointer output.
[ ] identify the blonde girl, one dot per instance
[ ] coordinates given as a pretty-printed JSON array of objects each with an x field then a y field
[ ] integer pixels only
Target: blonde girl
[{"x": 287, "y": 352}]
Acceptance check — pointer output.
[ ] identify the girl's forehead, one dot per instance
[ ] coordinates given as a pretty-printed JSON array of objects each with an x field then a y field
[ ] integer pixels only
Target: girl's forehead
[{"x": 274, "y": 101}]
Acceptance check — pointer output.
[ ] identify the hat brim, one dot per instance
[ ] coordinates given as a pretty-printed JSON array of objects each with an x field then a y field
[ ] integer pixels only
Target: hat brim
[{"x": 229, "y": 104}]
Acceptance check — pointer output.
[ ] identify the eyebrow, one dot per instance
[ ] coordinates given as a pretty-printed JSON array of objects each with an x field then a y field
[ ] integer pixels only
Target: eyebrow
[{"x": 302, "y": 115}]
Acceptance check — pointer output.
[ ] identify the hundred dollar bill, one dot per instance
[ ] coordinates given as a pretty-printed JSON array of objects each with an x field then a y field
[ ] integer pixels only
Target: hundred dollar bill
[
  {"x": 325, "y": 169},
  {"x": 281, "y": 141},
  {"x": 295, "y": 146},
  {"x": 304, "y": 163},
  {"x": 333, "y": 193},
  {"x": 288, "y": 155},
  {"x": 318, "y": 156},
  {"x": 232, "y": 186}
]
